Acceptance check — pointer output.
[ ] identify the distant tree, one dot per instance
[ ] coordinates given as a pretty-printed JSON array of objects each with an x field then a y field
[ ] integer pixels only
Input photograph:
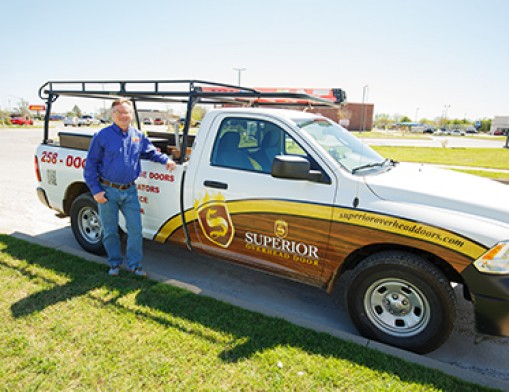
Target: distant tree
[
  {"x": 485, "y": 125},
  {"x": 75, "y": 112},
  {"x": 104, "y": 114},
  {"x": 22, "y": 108},
  {"x": 458, "y": 121},
  {"x": 444, "y": 122},
  {"x": 344, "y": 115},
  {"x": 405, "y": 119},
  {"x": 198, "y": 113},
  {"x": 5, "y": 119},
  {"x": 383, "y": 121}
]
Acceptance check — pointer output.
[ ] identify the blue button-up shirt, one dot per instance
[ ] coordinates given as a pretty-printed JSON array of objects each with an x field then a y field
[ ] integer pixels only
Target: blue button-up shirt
[{"x": 115, "y": 156}]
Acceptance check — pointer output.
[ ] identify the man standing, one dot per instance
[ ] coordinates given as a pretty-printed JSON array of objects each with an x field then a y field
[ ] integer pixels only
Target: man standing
[{"x": 112, "y": 166}]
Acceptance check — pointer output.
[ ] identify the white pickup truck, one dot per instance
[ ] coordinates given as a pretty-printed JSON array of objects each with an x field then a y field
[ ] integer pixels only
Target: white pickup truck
[{"x": 296, "y": 195}]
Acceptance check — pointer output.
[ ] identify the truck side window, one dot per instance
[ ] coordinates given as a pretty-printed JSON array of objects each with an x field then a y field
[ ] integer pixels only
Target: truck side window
[
  {"x": 250, "y": 144},
  {"x": 233, "y": 144}
]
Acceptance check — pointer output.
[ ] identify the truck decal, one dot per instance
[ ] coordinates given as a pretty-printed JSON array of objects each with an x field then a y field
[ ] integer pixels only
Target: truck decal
[
  {"x": 277, "y": 245},
  {"x": 392, "y": 225},
  {"x": 215, "y": 220},
  {"x": 411, "y": 229},
  {"x": 72, "y": 161}
]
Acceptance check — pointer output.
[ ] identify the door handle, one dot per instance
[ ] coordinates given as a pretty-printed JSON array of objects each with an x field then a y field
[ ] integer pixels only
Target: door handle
[{"x": 215, "y": 184}]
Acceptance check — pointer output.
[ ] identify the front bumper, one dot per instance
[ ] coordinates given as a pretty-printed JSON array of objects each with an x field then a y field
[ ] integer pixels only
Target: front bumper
[
  {"x": 41, "y": 194},
  {"x": 490, "y": 295}
]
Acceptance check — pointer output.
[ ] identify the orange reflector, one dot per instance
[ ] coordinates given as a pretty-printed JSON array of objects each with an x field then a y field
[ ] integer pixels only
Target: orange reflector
[{"x": 491, "y": 254}]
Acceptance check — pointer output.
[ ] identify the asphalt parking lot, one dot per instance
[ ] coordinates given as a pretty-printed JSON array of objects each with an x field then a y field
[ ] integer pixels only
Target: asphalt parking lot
[
  {"x": 438, "y": 141},
  {"x": 485, "y": 362}
]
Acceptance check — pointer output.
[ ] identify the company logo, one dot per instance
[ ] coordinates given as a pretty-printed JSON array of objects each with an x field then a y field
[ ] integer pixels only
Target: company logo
[
  {"x": 279, "y": 246},
  {"x": 280, "y": 228},
  {"x": 215, "y": 220}
]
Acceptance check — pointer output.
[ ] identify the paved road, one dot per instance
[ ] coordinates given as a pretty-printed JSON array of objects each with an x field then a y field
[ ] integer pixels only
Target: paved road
[
  {"x": 439, "y": 141},
  {"x": 24, "y": 215}
]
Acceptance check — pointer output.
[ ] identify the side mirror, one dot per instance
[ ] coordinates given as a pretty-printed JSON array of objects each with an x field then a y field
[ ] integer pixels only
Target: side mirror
[{"x": 294, "y": 167}]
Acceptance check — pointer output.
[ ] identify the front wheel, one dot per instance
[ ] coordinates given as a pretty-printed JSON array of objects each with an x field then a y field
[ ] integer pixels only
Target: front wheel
[
  {"x": 400, "y": 299},
  {"x": 85, "y": 223}
]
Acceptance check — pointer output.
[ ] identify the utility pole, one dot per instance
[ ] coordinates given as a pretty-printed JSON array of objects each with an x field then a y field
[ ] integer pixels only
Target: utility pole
[
  {"x": 363, "y": 112},
  {"x": 239, "y": 71}
]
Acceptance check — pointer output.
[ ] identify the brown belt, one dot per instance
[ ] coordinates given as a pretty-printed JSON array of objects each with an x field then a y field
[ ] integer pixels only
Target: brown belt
[{"x": 122, "y": 187}]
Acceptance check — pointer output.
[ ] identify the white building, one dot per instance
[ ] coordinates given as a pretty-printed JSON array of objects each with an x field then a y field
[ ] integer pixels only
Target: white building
[{"x": 500, "y": 125}]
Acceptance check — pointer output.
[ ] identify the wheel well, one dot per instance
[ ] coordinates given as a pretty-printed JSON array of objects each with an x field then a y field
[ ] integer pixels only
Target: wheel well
[
  {"x": 356, "y": 257},
  {"x": 73, "y": 191}
]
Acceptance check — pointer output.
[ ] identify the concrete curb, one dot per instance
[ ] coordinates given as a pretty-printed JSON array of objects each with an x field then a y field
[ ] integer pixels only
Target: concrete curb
[{"x": 463, "y": 374}]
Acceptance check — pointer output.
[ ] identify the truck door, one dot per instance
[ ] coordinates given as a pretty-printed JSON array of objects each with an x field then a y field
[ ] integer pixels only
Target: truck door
[{"x": 244, "y": 214}]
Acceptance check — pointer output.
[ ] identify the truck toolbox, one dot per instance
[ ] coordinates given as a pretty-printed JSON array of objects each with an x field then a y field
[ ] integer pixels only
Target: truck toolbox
[{"x": 74, "y": 140}]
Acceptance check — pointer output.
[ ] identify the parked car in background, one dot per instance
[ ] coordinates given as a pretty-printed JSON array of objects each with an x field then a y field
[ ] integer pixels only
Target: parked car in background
[
  {"x": 457, "y": 132},
  {"x": 442, "y": 131},
  {"x": 158, "y": 121},
  {"x": 471, "y": 130},
  {"x": 147, "y": 121},
  {"x": 422, "y": 128},
  {"x": 87, "y": 120},
  {"x": 71, "y": 121},
  {"x": 56, "y": 117},
  {"x": 18, "y": 120}
]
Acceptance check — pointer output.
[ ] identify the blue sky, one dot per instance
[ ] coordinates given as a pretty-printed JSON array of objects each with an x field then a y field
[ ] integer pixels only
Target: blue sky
[{"x": 417, "y": 57}]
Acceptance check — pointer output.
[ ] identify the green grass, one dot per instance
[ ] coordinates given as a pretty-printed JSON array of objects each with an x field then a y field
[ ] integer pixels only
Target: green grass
[
  {"x": 490, "y": 158},
  {"x": 66, "y": 325}
]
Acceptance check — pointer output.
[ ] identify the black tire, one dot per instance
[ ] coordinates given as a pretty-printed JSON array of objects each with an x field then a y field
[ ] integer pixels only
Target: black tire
[
  {"x": 85, "y": 223},
  {"x": 400, "y": 299}
]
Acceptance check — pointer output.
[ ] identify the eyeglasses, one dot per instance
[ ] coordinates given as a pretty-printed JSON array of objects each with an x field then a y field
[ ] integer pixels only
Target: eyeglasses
[{"x": 121, "y": 112}]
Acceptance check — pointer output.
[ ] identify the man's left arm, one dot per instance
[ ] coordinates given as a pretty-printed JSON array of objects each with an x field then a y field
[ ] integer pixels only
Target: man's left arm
[{"x": 150, "y": 152}]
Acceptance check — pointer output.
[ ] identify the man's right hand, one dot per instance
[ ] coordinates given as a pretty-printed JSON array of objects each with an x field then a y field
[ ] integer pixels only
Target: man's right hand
[{"x": 99, "y": 197}]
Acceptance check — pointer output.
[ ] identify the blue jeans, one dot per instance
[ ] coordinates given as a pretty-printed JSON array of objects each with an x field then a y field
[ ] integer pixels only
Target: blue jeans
[{"x": 125, "y": 201}]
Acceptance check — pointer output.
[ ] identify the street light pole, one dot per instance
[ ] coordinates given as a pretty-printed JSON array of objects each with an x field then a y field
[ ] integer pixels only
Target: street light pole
[
  {"x": 416, "y": 114},
  {"x": 446, "y": 109},
  {"x": 239, "y": 71},
  {"x": 363, "y": 112}
]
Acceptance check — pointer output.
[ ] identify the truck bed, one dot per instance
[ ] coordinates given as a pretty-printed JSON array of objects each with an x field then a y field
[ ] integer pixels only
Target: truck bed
[{"x": 81, "y": 141}]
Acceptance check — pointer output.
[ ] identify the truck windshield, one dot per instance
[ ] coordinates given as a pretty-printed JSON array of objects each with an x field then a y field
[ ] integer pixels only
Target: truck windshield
[{"x": 342, "y": 146}]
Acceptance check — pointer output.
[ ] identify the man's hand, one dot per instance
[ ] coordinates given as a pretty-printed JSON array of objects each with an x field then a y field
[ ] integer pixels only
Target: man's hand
[
  {"x": 99, "y": 197},
  {"x": 170, "y": 165}
]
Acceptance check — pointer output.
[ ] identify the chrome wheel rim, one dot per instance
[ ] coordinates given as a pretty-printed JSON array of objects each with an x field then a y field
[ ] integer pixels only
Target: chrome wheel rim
[
  {"x": 89, "y": 225},
  {"x": 396, "y": 307}
]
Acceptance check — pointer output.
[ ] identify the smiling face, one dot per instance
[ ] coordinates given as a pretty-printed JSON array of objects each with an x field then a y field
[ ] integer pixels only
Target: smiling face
[{"x": 122, "y": 114}]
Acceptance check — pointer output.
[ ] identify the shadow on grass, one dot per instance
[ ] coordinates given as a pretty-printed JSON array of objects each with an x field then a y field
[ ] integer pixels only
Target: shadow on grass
[{"x": 255, "y": 331}]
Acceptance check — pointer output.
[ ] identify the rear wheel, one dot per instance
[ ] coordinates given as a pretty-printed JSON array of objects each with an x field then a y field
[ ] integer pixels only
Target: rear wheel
[
  {"x": 86, "y": 225},
  {"x": 400, "y": 299}
]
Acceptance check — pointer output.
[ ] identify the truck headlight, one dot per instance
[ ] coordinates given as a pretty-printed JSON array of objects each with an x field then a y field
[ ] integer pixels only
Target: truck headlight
[{"x": 495, "y": 260}]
